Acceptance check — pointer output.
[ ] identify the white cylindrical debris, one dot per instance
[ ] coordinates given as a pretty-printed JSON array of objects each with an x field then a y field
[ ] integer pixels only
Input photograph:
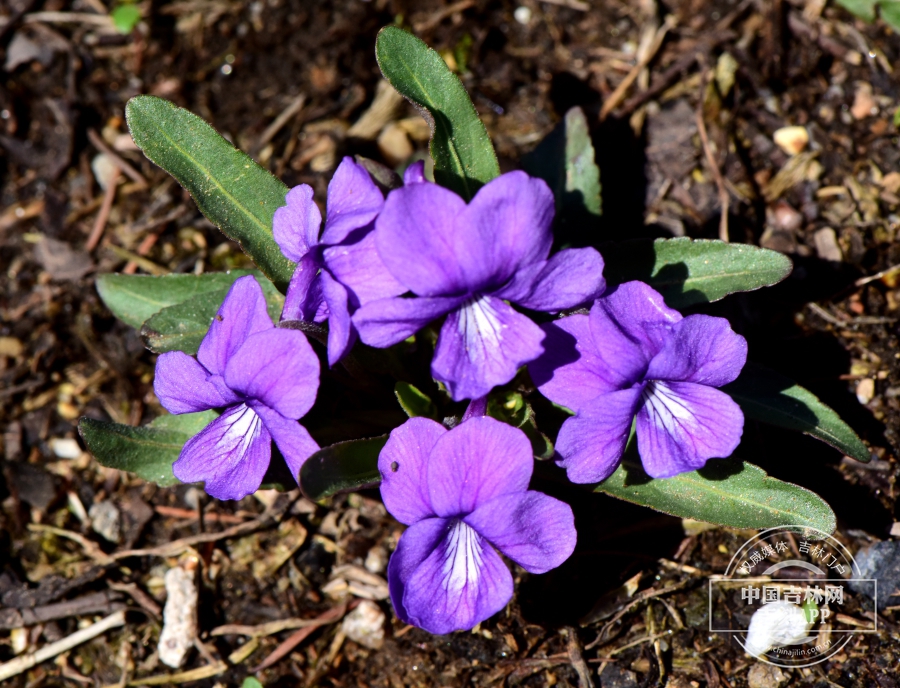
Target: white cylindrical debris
[{"x": 180, "y": 614}]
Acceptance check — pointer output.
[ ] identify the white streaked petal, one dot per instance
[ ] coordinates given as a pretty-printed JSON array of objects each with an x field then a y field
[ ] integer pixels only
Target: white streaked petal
[{"x": 463, "y": 562}]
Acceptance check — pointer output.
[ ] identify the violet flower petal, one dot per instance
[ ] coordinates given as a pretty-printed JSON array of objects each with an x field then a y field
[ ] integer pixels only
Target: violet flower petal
[
  {"x": 418, "y": 241},
  {"x": 230, "y": 455},
  {"x": 568, "y": 279},
  {"x": 304, "y": 295},
  {"x": 402, "y": 462},
  {"x": 277, "y": 368},
  {"x": 591, "y": 444},
  {"x": 702, "y": 349},
  {"x": 479, "y": 460},
  {"x": 482, "y": 345},
  {"x": 630, "y": 325},
  {"x": 534, "y": 530},
  {"x": 341, "y": 334},
  {"x": 416, "y": 543},
  {"x": 415, "y": 173},
  {"x": 569, "y": 372},
  {"x": 353, "y": 201},
  {"x": 385, "y": 322},
  {"x": 296, "y": 225},
  {"x": 462, "y": 582},
  {"x": 506, "y": 227},
  {"x": 682, "y": 424},
  {"x": 293, "y": 440},
  {"x": 356, "y": 265},
  {"x": 184, "y": 386},
  {"x": 242, "y": 314}
]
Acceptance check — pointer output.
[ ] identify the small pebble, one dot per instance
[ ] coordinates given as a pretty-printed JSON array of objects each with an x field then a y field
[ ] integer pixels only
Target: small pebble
[
  {"x": 105, "y": 170},
  {"x": 791, "y": 140},
  {"x": 865, "y": 390},
  {"x": 106, "y": 520},
  {"x": 766, "y": 676},
  {"x": 522, "y": 15},
  {"x": 827, "y": 246},
  {"x": 863, "y": 102},
  {"x": 65, "y": 447},
  {"x": 180, "y": 614},
  {"x": 365, "y": 625},
  {"x": 376, "y": 560}
]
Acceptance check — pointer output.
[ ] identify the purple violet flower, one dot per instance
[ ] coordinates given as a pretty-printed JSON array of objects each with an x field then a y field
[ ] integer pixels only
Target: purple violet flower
[
  {"x": 463, "y": 492},
  {"x": 341, "y": 270},
  {"x": 634, "y": 355},
  {"x": 466, "y": 261},
  {"x": 265, "y": 378}
]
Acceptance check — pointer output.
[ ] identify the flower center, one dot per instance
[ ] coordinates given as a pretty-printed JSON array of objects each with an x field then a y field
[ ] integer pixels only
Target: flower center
[
  {"x": 463, "y": 561},
  {"x": 666, "y": 408},
  {"x": 479, "y": 325}
]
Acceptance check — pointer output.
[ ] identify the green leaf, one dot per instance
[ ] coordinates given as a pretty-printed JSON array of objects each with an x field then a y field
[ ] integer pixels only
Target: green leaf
[
  {"x": 464, "y": 158},
  {"x": 251, "y": 682},
  {"x": 148, "y": 451},
  {"x": 182, "y": 327},
  {"x": 125, "y": 17},
  {"x": 691, "y": 271},
  {"x": 511, "y": 408},
  {"x": 769, "y": 397},
  {"x": 133, "y": 299},
  {"x": 726, "y": 492},
  {"x": 864, "y": 9},
  {"x": 342, "y": 467},
  {"x": 235, "y": 193},
  {"x": 414, "y": 402},
  {"x": 565, "y": 160}
]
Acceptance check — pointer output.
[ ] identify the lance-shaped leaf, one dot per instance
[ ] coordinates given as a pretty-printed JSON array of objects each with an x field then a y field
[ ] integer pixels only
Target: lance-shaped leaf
[
  {"x": 342, "y": 467},
  {"x": 236, "y": 194},
  {"x": 133, "y": 299},
  {"x": 565, "y": 160},
  {"x": 769, "y": 397},
  {"x": 182, "y": 327},
  {"x": 147, "y": 451},
  {"x": 464, "y": 158},
  {"x": 730, "y": 493},
  {"x": 414, "y": 402},
  {"x": 691, "y": 271}
]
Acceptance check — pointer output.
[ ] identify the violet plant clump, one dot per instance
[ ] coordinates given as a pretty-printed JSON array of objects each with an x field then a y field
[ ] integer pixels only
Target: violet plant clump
[{"x": 470, "y": 256}]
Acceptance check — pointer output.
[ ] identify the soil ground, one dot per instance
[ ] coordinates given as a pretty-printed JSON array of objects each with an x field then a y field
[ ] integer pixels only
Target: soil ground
[{"x": 748, "y": 68}]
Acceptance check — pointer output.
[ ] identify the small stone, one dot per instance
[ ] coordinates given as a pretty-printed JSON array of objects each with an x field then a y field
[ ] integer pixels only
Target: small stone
[
  {"x": 65, "y": 447},
  {"x": 11, "y": 347},
  {"x": 365, "y": 625},
  {"x": 791, "y": 140},
  {"x": 766, "y": 676},
  {"x": 863, "y": 102},
  {"x": 376, "y": 560},
  {"x": 880, "y": 561},
  {"x": 782, "y": 216},
  {"x": 827, "y": 246},
  {"x": 522, "y": 15},
  {"x": 614, "y": 676},
  {"x": 180, "y": 614},
  {"x": 394, "y": 144},
  {"x": 891, "y": 182},
  {"x": 106, "y": 520},
  {"x": 105, "y": 170},
  {"x": 865, "y": 390}
]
